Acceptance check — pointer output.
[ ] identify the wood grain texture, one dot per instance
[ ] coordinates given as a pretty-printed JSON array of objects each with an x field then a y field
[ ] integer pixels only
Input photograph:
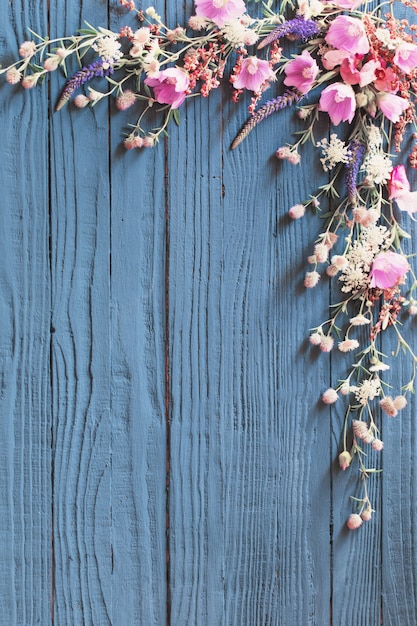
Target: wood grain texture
[
  {"x": 166, "y": 459},
  {"x": 25, "y": 411}
]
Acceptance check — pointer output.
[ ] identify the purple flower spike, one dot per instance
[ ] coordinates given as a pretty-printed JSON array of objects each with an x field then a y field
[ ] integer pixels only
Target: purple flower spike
[
  {"x": 357, "y": 152},
  {"x": 277, "y": 104},
  {"x": 299, "y": 27},
  {"x": 82, "y": 76}
]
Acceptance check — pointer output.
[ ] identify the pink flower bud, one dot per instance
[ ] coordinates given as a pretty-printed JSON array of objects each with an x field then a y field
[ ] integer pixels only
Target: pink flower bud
[
  {"x": 366, "y": 515},
  {"x": 345, "y": 459},
  {"x": 311, "y": 279},
  {"x": 399, "y": 402},
  {"x": 377, "y": 445},
  {"x": 387, "y": 405},
  {"x": 296, "y": 211},
  {"x": 315, "y": 339},
  {"x": 329, "y": 396},
  {"x": 354, "y": 521},
  {"x": 326, "y": 343}
]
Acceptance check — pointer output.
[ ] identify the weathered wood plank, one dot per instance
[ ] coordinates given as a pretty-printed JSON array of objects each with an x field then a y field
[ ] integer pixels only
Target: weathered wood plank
[
  {"x": 80, "y": 267},
  {"x": 249, "y": 509},
  {"x": 138, "y": 391},
  {"x": 25, "y": 415}
]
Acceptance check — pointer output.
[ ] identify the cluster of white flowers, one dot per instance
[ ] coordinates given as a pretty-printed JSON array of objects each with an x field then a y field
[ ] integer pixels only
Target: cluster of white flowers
[
  {"x": 367, "y": 390},
  {"x": 108, "y": 48},
  {"x": 239, "y": 33},
  {"x": 377, "y": 165},
  {"x": 334, "y": 151},
  {"x": 371, "y": 241}
]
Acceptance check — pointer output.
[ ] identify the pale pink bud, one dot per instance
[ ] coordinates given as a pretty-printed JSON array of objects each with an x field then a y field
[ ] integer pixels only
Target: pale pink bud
[
  {"x": 387, "y": 405},
  {"x": 331, "y": 270},
  {"x": 412, "y": 310},
  {"x": 315, "y": 339},
  {"x": 81, "y": 101},
  {"x": 321, "y": 252},
  {"x": 283, "y": 152},
  {"x": 13, "y": 76},
  {"x": 358, "y": 214},
  {"x": 51, "y": 64},
  {"x": 377, "y": 445},
  {"x": 294, "y": 158},
  {"x": 133, "y": 142},
  {"x": 345, "y": 459},
  {"x": 366, "y": 515},
  {"x": 27, "y": 49},
  {"x": 296, "y": 211},
  {"x": 311, "y": 279},
  {"x": 399, "y": 402},
  {"x": 326, "y": 343},
  {"x": 329, "y": 396},
  {"x": 148, "y": 142},
  {"x": 345, "y": 389},
  {"x": 125, "y": 100},
  {"x": 30, "y": 81},
  {"x": 339, "y": 261},
  {"x": 371, "y": 217},
  {"x": 354, "y": 521}
]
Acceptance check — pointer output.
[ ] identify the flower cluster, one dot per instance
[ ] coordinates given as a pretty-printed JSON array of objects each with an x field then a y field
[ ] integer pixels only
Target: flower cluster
[{"x": 357, "y": 67}]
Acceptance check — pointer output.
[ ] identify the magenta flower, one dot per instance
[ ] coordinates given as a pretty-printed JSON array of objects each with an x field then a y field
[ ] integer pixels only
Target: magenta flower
[
  {"x": 392, "y": 106},
  {"x": 353, "y": 75},
  {"x": 253, "y": 73},
  {"x": 220, "y": 11},
  {"x": 338, "y": 100},
  {"x": 387, "y": 269},
  {"x": 169, "y": 86},
  {"x": 348, "y": 33},
  {"x": 301, "y": 72},
  {"x": 405, "y": 57}
]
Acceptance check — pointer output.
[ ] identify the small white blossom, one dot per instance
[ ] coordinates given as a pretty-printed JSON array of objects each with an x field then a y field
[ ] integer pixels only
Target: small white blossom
[
  {"x": 368, "y": 390},
  {"x": 334, "y": 152},
  {"x": 108, "y": 48}
]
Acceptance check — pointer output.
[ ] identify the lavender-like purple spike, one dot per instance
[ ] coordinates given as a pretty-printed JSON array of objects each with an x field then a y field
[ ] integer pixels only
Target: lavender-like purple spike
[
  {"x": 277, "y": 104},
  {"x": 356, "y": 151},
  {"x": 301, "y": 28},
  {"x": 82, "y": 76}
]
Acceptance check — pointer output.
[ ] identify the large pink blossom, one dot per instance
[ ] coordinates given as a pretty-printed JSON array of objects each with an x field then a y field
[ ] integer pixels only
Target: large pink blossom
[
  {"x": 301, "y": 72},
  {"x": 399, "y": 190},
  {"x": 253, "y": 73},
  {"x": 348, "y": 33},
  {"x": 338, "y": 100},
  {"x": 219, "y": 11},
  {"x": 405, "y": 57},
  {"x": 169, "y": 86},
  {"x": 392, "y": 106},
  {"x": 387, "y": 269}
]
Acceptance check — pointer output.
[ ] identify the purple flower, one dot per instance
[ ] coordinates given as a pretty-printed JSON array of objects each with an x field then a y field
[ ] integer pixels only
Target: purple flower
[
  {"x": 301, "y": 28},
  {"x": 82, "y": 76},
  {"x": 356, "y": 154},
  {"x": 277, "y": 104}
]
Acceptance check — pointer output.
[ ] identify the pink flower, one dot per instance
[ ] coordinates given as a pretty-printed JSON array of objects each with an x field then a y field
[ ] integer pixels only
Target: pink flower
[
  {"x": 348, "y": 33},
  {"x": 398, "y": 183},
  {"x": 386, "y": 79},
  {"x": 220, "y": 11},
  {"x": 345, "y": 459},
  {"x": 301, "y": 72},
  {"x": 405, "y": 57},
  {"x": 169, "y": 86},
  {"x": 391, "y": 106},
  {"x": 330, "y": 396},
  {"x": 399, "y": 190},
  {"x": 338, "y": 100},
  {"x": 253, "y": 73},
  {"x": 348, "y": 4},
  {"x": 353, "y": 76},
  {"x": 334, "y": 57},
  {"x": 387, "y": 269}
]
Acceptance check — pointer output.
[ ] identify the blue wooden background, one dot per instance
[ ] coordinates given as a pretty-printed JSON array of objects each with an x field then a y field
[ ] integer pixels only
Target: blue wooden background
[{"x": 165, "y": 459}]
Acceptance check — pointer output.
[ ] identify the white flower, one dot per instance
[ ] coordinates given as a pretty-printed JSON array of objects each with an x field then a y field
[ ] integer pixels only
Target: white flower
[
  {"x": 368, "y": 390},
  {"x": 108, "y": 48},
  {"x": 377, "y": 166},
  {"x": 334, "y": 152}
]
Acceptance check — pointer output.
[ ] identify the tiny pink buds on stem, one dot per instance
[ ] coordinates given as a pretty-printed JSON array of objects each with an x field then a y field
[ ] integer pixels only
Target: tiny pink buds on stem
[{"x": 311, "y": 279}]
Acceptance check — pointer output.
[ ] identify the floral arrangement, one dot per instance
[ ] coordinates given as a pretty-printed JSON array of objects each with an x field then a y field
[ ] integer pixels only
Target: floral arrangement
[{"x": 356, "y": 66}]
